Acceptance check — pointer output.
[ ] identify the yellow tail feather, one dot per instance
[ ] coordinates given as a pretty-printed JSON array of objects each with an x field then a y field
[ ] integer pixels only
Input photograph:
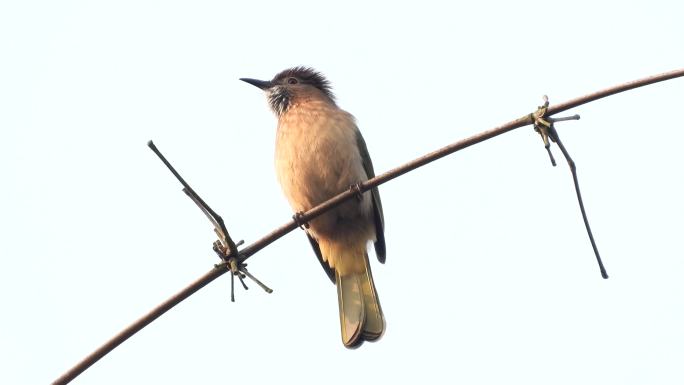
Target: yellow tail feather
[{"x": 361, "y": 317}]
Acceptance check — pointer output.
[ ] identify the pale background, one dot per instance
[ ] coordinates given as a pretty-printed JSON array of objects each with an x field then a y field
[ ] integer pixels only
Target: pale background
[{"x": 490, "y": 277}]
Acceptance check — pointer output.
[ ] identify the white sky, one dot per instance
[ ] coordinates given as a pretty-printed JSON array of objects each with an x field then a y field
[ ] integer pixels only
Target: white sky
[{"x": 490, "y": 277}]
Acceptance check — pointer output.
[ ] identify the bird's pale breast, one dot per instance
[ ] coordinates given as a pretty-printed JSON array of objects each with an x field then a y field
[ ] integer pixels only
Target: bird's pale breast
[{"x": 316, "y": 158}]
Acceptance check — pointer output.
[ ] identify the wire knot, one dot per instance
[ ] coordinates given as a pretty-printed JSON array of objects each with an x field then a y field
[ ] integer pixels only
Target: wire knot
[
  {"x": 225, "y": 248},
  {"x": 237, "y": 268},
  {"x": 543, "y": 125}
]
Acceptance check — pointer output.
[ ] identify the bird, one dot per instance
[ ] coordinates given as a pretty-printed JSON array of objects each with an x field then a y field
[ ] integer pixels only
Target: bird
[{"x": 319, "y": 153}]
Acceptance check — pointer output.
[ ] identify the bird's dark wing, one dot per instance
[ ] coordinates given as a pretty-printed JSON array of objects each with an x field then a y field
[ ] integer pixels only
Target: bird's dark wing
[
  {"x": 317, "y": 250},
  {"x": 378, "y": 217}
]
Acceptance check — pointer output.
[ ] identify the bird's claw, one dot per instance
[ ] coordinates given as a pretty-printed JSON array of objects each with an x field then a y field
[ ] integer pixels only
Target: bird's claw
[
  {"x": 356, "y": 189},
  {"x": 297, "y": 217}
]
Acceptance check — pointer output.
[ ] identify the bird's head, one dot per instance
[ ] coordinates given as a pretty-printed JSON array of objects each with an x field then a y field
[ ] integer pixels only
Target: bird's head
[{"x": 293, "y": 85}]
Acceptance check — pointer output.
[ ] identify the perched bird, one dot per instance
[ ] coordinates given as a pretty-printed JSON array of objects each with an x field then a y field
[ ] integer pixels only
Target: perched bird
[{"x": 320, "y": 153}]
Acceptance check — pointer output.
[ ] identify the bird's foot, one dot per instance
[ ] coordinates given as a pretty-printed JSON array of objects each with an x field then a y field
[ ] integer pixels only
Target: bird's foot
[
  {"x": 297, "y": 217},
  {"x": 356, "y": 189}
]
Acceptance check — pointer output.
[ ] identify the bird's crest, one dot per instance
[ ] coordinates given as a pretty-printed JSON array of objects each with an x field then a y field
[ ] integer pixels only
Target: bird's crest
[{"x": 306, "y": 75}]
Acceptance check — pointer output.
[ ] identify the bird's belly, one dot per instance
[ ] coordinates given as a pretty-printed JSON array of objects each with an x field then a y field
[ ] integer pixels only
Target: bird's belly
[{"x": 314, "y": 166}]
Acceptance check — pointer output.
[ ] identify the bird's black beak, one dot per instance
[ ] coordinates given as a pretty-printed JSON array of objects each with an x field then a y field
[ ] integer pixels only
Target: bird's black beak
[{"x": 263, "y": 84}]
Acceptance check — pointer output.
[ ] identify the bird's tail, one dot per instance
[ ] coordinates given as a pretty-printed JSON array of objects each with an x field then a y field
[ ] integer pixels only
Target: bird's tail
[{"x": 361, "y": 317}]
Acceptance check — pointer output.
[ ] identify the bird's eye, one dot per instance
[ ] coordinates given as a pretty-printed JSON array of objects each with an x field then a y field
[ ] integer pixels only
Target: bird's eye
[{"x": 292, "y": 81}]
